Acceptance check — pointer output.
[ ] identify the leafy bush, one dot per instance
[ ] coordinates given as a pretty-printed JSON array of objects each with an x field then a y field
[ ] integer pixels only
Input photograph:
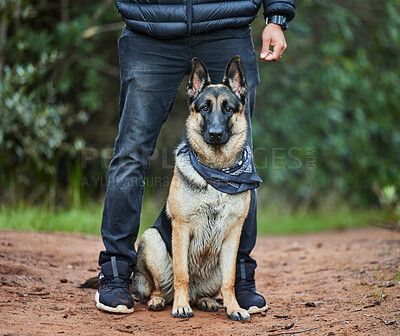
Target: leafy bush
[
  {"x": 326, "y": 125},
  {"x": 51, "y": 81},
  {"x": 33, "y": 127},
  {"x": 336, "y": 92}
]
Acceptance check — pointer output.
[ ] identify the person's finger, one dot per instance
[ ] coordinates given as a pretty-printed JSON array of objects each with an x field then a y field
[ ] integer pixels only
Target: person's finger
[
  {"x": 265, "y": 48},
  {"x": 276, "y": 54},
  {"x": 283, "y": 49}
]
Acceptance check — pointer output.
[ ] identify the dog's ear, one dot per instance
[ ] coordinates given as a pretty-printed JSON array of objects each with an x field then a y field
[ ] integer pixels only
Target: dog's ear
[
  {"x": 198, "y": 79},
  {"x": 234, "y": 78}
]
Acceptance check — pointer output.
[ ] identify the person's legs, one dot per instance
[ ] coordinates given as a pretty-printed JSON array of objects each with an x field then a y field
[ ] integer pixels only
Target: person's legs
[{"x": 151, "y": 72}]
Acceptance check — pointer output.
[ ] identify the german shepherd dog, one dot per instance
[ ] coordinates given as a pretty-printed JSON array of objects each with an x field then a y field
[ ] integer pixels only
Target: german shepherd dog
[{"x": 206, "y": 223}]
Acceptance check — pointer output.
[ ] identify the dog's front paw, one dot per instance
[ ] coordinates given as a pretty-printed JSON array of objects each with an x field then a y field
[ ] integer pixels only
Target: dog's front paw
[
  {"x": 156, "y": 303},
  {"x": 182, "y": 312},
  {"x": 239, "y": 315}
]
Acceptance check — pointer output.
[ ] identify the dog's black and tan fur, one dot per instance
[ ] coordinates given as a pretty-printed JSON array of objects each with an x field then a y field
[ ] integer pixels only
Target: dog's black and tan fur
[{"x": 206, "y": 223}]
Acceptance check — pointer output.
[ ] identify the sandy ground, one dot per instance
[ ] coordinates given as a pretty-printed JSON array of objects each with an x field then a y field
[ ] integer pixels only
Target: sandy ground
[{"x": 342, "y": 283}]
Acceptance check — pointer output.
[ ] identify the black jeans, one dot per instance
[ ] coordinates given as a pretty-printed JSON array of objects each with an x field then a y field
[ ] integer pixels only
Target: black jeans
[{"x": 151, "y": 72}]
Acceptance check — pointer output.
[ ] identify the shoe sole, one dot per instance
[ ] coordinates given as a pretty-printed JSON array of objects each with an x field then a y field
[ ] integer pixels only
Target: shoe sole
[
  {"x": 255, "y": 309},
  {"x": 121, "y": 309}
]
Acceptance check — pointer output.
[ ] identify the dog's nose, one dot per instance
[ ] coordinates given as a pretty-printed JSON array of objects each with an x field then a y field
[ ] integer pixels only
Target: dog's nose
[{"x": 215, "y": 134}]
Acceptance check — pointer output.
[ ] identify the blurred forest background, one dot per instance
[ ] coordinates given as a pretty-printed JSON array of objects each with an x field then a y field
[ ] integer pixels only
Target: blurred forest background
[{"x": 326, "y": 128}]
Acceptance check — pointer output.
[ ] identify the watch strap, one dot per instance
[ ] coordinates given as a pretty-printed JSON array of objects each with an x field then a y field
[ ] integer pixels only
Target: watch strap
[{"x": 279, "y": 20}]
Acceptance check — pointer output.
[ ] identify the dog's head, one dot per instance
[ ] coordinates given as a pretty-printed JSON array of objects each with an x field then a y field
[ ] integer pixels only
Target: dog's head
[
  {"x": 217, "y": 122},
  {"x": 217, "y": 104}
]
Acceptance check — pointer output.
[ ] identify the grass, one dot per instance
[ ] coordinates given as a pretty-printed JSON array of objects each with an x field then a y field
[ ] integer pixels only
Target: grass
[
  {"x": 28, "y": 218},
  {"x": 87, "y": 219},
  {"x": 271, "y": 222}
]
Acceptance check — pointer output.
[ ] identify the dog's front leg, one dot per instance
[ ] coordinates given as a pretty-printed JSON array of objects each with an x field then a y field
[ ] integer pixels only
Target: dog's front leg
[
  {"x": 228, "y": 270},
  {"x": 180, "y": 247}
]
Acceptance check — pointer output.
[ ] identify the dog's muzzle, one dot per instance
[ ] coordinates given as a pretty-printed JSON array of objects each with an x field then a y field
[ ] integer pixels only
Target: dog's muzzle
[{"x": 216, "y": 136}]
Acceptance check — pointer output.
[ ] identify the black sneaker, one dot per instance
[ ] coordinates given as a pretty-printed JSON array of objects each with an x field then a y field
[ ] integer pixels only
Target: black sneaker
[
  {"x": 113, "y": 295},
  {"x": 248, "y": 298}
]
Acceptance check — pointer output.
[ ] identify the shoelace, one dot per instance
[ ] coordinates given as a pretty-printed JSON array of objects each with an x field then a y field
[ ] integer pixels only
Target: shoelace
[{"x": 114, "y": 283}]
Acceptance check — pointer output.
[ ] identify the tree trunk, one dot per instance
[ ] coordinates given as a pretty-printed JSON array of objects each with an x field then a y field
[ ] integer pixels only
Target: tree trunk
[
  {"x": 3, "y": 37},
  {"x": 65, "y": 11}
]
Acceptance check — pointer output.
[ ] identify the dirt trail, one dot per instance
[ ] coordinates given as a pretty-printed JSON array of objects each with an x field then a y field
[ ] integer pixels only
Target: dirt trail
[{"x": 342, "y": 283}]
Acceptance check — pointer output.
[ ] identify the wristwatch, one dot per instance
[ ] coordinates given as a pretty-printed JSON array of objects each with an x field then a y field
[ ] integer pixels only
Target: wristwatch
[{"x": 279, "y": 20}]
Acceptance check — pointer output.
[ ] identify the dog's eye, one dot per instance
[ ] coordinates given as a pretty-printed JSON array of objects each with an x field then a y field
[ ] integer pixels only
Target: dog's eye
[
  {"x": 204, "y": 108},
  {"x": 228, "y": 109}
]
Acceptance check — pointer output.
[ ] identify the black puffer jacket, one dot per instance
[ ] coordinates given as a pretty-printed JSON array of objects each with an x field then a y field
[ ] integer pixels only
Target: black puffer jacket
[{"x": 177, "y": 18}]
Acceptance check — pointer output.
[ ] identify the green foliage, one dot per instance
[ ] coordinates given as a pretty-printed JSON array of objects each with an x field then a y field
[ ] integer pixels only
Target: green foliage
[
  {"x": 336, "y": 91},
  {"x": 326, "y": 126},
  {"x": 389, "y": 199},
  {"x": 50, "y": 84},
  {"x": 32, "y": 126}
]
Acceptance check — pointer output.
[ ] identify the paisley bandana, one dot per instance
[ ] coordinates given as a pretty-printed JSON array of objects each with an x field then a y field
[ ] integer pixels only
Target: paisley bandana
[{"x": 241, "y": 177}]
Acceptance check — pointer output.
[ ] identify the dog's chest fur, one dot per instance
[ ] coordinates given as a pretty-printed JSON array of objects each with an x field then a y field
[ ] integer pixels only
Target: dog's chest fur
[{"x": 209, "y": 226}]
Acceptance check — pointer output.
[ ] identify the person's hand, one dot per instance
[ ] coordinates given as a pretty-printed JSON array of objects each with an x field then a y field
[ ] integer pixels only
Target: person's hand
[{"x": 273, "y": 36}]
